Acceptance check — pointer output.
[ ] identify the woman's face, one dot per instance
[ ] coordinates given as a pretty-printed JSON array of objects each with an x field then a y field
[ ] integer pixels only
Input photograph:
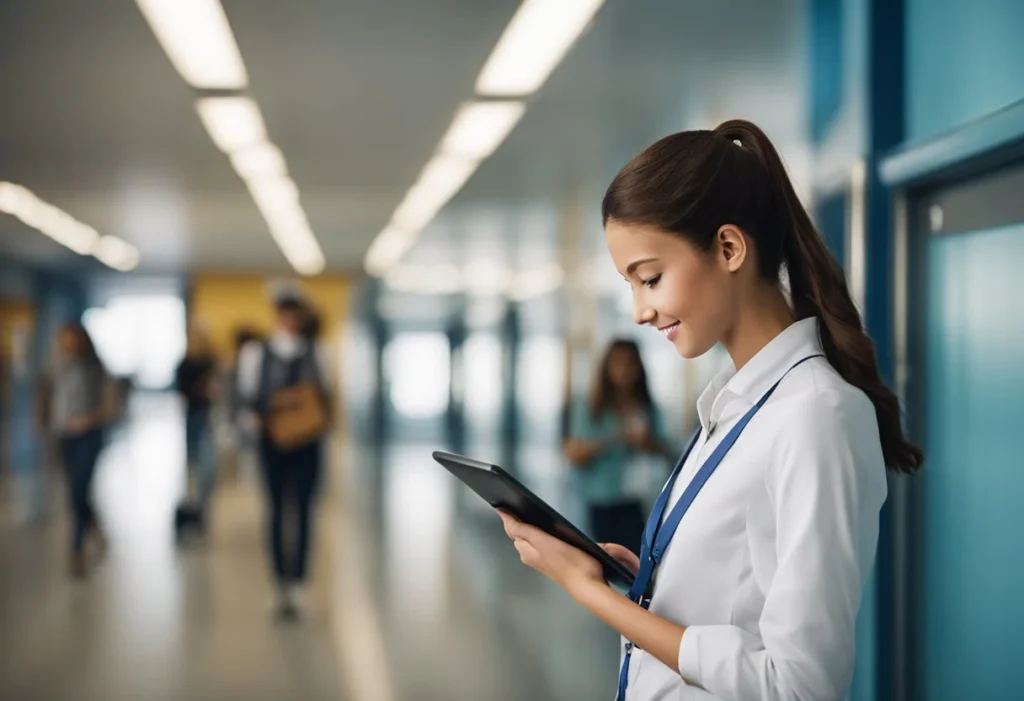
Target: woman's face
[
  {"x": 622, "y": 369},
  {"x": 685, "y": 293},
  {"x": 198, "y": 343},
  {"x": 291, "y": 320}
]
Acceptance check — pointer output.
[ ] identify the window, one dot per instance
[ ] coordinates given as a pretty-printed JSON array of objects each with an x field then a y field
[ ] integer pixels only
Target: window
[
  {"x": 418, "y": 372},
  {"x": 139, "y": 336}
]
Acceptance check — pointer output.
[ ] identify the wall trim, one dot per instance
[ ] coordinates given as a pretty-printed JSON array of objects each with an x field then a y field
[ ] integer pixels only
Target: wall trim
[{"x": 937, "y": 157}]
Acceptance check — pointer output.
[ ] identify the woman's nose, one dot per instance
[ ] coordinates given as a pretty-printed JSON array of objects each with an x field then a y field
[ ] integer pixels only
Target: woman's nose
[{"x": 642, "y": 314}]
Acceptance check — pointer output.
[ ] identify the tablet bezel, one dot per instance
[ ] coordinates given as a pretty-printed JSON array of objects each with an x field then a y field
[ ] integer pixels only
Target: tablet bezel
[{"x": 622, "y": 576}]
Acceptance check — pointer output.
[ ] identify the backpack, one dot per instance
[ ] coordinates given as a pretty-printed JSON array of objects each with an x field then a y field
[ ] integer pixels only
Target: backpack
[{"x": 295, "y": 415}]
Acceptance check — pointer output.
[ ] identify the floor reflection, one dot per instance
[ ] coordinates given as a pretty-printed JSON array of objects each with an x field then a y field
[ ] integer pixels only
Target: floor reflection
[{"x": 417, "y": 594}]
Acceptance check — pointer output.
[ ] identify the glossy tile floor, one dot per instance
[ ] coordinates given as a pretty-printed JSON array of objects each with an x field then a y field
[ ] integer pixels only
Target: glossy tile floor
[{"x": 416, "y": 595}]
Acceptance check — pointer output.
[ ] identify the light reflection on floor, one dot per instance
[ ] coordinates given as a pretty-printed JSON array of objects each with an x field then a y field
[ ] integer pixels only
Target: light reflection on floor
[{"x": 427, "y": 602}]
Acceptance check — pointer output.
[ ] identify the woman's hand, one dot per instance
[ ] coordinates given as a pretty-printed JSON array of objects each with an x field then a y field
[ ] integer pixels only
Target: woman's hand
[
  {"x": 580, "y": 575},
  {"x": 570, "y": 568},
  {"x": 637, "y": 435},
  {"x": 626, "y": 557},
  {"x": 579, "y": 452},
  {"x": 576, "y": 451}
]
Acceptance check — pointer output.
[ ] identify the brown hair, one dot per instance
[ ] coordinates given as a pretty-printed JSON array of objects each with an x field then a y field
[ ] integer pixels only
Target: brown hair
[
  {"x": 86, "y": 348},
  {"x": 694, "y": 182},
  {"x": 604, "y": 392}
]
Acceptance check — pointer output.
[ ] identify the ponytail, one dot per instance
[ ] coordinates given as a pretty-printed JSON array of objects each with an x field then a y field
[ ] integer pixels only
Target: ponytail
[{"x": 818, "y": 288}]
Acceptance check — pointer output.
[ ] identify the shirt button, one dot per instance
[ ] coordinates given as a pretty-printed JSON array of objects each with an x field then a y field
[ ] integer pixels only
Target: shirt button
[{"x": 629, "y": 648}]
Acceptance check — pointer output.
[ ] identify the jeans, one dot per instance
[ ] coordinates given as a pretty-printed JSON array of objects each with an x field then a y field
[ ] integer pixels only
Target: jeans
[
  {"x": 200, "y": 453},
  {"x": 80, "y": 455},
  {"x": 291, "y": 480}
]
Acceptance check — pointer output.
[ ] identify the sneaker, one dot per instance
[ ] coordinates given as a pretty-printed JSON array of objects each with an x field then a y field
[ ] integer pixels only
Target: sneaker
[
  {"x": 283, "y": 608},
  {"x": 100, "y": 545},
  {"x": 297, "y": 598}
]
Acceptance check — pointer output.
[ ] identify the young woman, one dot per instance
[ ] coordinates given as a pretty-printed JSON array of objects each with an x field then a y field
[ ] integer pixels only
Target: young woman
[
  {"x": 763, "y": 537},
  {"x": 79, "y": 410},
  {"x": 619, "y": 422}
]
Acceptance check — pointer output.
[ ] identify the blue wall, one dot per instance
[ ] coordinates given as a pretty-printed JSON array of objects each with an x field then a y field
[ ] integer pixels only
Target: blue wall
[
  {"x": 964, "y": 59},
  {"x": 58, "y": 298},
  {"x": 827, "y": 41}
]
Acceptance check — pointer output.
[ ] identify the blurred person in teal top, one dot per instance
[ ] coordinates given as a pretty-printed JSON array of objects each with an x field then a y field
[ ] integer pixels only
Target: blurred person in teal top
[{"x": 608, "y": 436}]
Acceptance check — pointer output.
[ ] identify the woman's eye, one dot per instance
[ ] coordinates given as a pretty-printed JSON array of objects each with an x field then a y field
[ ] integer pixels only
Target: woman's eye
[{"x": 651, "y": 282}]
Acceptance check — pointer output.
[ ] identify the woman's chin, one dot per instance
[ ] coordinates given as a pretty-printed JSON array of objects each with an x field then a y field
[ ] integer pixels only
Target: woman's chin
[{"x": 687, "y": 348}]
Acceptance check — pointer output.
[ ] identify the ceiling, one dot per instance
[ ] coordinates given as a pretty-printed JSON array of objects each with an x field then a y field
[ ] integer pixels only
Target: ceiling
[{"x": 357, "y": 94}]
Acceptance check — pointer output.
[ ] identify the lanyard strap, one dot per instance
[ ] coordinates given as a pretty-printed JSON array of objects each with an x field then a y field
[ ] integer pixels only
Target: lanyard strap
[{"x": 658, "y": 534}]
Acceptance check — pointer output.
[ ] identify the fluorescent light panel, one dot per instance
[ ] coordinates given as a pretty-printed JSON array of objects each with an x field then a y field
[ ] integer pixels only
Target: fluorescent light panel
[
  {"x": 442, "y": 177},
  {"x": 535, "y": 41},
  {"x": 60, "y": 226},
  {"x": 389, "y": 246},
  {"x": 197, "y": 39},
  {"x": 440, "y": 180},
  {"x": 260, "y": 160},
  {"x": 274, "y": 194},
  {"x": 233, "y": 123},
  {"x": 537, "y": 38},
  {"x": 117, "y": 254},
  {"x": 278, "y": 201},
  {"x": 480, "y": 127}
]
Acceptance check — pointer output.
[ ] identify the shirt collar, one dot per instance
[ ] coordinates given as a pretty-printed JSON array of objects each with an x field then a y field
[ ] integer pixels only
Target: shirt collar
[{"x": 767, "y": 367}]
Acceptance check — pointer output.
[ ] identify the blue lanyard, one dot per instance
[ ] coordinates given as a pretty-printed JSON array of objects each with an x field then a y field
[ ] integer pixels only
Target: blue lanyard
[{"x": 658, "y": 535}]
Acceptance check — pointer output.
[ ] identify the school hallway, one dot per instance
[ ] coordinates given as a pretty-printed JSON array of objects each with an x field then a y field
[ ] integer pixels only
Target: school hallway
[{"x": 402, "y": 604}]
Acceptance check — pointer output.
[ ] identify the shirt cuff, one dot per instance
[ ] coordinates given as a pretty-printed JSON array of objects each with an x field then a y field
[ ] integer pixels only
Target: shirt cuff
[{"x": 689, "y": 655}]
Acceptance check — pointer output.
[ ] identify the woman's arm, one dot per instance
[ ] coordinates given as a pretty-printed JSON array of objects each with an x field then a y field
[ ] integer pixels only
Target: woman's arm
[
  {"x": 580, "y": 451},
  {"x": 825, "y": 485},
  {"x": 655, "y": 635},
  {"x": 587, "y": 438},
  {"x": 582, "y": 577},
  {"x": 646, "y": 436}
]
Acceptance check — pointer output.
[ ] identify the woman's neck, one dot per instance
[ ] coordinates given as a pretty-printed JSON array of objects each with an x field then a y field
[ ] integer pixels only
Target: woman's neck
[
  {"x": 624, "y": 403},
  {"x": 762, "y": 318}
]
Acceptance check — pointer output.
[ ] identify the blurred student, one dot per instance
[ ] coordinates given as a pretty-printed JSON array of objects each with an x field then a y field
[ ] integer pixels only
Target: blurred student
[
  {"x": 244, "y": 438},
  {"x": 619, "y": 424},
  {"x": 79, "y": 406},
  {"x": 284, "y": 382},
  {"x": 196, "y": 381}
]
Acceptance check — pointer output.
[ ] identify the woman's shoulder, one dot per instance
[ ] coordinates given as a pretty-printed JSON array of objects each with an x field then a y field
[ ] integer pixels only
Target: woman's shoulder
[{"x": 815, "y": 397}]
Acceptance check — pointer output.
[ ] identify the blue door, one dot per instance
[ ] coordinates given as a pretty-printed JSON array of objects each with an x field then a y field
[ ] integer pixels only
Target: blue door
[{"x": 972, "y": 598}]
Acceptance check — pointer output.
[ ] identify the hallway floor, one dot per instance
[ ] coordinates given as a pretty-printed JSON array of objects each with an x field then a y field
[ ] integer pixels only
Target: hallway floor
[{"x": 415, "y": 595}]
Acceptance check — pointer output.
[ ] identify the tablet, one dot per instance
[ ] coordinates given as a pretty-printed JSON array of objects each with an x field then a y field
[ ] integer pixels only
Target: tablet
[{"x": 502, "y": 491}]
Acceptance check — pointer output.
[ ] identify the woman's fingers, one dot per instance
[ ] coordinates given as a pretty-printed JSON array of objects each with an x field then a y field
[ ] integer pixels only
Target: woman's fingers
[
  {"x": 624, "y": 555},
  {"x": 527, "y": 553},
  {"x": 514, "y": 528}
]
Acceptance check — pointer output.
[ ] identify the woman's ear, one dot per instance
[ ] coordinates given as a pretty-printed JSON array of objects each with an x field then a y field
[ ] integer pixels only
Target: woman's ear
[{"x": 731, "y": 247}]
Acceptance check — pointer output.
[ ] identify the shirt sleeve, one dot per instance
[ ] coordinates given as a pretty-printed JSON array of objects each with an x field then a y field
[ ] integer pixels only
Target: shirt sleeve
[
  {"x": 250, "y": 364},
  {"x": 826, "y": 485},
  {"x": 322, "y": 366}
]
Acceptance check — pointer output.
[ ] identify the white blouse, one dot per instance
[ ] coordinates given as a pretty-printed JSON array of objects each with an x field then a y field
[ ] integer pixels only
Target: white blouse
[{"x": 767, "y": 567}]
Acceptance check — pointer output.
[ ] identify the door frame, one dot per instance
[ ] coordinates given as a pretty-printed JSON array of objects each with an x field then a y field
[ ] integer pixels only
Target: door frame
[{"x": 970, "y": 196}]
